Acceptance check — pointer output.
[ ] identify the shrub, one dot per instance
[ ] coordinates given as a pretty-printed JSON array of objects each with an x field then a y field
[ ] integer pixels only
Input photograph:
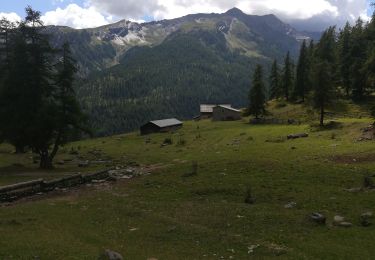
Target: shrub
[
  {"x": 181, "y": 141},
  {"x": 168, "y": 141}
]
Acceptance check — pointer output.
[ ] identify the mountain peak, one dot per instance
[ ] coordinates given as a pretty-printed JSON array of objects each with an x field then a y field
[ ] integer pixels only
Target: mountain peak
[{"x": 234, "y": 11}]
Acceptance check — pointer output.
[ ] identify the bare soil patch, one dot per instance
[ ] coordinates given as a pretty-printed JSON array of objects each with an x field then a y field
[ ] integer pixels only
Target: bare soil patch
[
  {"x": 368, "y": 133},
  {"x": 354, "y": 158}
]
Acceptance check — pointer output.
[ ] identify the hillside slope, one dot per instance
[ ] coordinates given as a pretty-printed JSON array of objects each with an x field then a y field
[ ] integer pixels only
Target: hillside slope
[
  {"x": 169, "y": 80},
  {"x": 170, "y": 214}
]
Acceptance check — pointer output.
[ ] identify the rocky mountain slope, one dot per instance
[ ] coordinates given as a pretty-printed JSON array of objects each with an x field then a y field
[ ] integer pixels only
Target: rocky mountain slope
[{"x": 251, "y": 35}]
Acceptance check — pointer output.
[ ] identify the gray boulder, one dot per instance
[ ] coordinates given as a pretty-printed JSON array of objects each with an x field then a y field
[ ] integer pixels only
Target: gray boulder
[
  {"x": 345, "y": 224},
  {"x": 337, "y": 220},
  {"x": 318, "y": 218},
  {"x": 290, "y": 205},
  {"x": 366, "y": 218},
  {"x": 110, "y": 255}
]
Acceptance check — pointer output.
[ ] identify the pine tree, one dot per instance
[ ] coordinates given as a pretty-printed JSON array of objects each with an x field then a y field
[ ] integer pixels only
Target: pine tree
[
  {"x": 16, "y": 97},
  {"x": 287, "y": 77},
  {"x": 369, "y": 66},
  {"x": 274, "y": 81},
  {"x": 6, "y": 28},
  {"x": 257, "y": 98},
  {"x": 310, "y": 51},
  {"x": 69, "y": 120},
  {"x": 324, "y": 71},
  {"x": 38, "y": 108},
  {"x": 345, "y": 59},
  {"x": 302, "y": 74},
  {"x": 358, "y": 53}
]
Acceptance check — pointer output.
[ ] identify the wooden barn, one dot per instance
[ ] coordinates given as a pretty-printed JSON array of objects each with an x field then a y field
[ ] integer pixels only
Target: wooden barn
[
  {"x": 225, "y": 113},
  {"x": 161, "y": 126},
  {"x": 206, "y": 110}
]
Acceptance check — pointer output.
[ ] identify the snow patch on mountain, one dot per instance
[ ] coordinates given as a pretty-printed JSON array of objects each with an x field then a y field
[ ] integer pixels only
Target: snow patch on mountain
[{"x": 132, "y": 38}]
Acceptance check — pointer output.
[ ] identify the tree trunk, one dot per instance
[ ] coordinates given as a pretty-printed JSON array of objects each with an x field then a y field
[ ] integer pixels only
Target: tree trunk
[
  {"x": 322, "y": 115},
  {"x": 45, "y": 160},
  {"x": 56, "y": 146}
]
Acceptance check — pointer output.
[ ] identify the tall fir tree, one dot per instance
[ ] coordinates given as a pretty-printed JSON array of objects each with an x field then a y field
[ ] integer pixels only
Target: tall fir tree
[
  {"x": 287, "y": 77},
  {"x": 17, "y": 108},
  {"x": 274, "y": 81},
  {"x": 37, "y": 103},
  {"x": 324, "y": 71},
  {"x": 310, "y": 51},
  {"x": 369, "y": 66},
  {"x": 69, "y": 120},
  {"x": 345, "y": 59},
  {"x": 302, "y": 74},
  {"x": 257, "y": 97},
  {"x": 6, "y": 29},
  {"x": 358, "y": 53}
]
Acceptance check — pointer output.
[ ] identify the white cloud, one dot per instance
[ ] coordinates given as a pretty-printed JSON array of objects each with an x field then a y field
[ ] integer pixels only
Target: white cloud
[
  {"x": 76, "y": 17},
  {"x": 349, "y": 10},
  {"x": 129, "y": 9},
  {"x": 290, "y": 8},
  {"x": 331, "y": 11},
  {"x": 13, "y": 17},
  {"x": 316, "y": 14}
]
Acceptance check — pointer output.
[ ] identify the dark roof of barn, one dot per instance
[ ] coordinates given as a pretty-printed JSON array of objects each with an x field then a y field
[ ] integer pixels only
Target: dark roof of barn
[{"x": 166, "y": 122}]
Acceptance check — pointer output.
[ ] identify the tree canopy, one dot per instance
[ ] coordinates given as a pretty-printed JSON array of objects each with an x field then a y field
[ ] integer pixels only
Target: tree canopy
[
  {"x": 38, "y": 107},
  {"x": 257, "y": 97}
]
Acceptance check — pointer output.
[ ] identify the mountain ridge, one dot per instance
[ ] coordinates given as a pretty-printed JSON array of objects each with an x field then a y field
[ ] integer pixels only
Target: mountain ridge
[{"x": 110, "y": 42}]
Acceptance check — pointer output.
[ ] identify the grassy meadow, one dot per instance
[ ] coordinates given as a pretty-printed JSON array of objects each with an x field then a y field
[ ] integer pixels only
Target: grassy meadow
[{"x": 171, "y": 214}]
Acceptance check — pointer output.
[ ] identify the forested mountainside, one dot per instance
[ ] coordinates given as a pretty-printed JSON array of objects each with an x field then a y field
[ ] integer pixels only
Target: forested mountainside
[
  {"x": 132, "y": 73},
  {"x": 169, "y": 80}
]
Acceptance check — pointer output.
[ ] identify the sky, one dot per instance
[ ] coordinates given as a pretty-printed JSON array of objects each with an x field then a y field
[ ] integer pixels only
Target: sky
[{"x": 309, "y": 15}]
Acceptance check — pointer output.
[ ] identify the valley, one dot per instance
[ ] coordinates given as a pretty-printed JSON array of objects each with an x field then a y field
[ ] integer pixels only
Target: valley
[{"x": 132, "y": 73}]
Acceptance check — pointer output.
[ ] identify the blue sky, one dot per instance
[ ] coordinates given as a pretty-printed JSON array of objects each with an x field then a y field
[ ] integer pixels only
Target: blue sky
[
  {"x": 18, "y": 6},
  {"x": 370, "y": 9},
  {"x": 90, "y": 13}
]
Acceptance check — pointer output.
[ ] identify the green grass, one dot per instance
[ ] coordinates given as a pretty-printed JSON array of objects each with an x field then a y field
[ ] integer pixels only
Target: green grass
[
  {"x": 202, "y": 25},
  {"x": 168, "y": 216},
  {"x": 236, "y": 41}
]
